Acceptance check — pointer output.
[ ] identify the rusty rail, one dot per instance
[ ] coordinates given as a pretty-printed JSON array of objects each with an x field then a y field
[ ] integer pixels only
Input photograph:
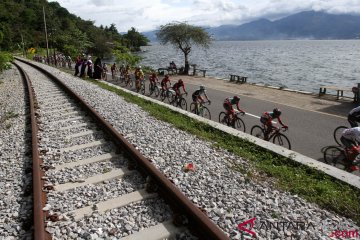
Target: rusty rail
[
  {"x": 38, "y": 194},
  {"x": 197, "y": 219}
]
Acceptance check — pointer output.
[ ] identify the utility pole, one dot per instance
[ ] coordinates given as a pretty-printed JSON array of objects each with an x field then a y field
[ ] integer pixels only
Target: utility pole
[
  {"x": 46, "y": 37},
  {"x": 22, "y": 43}
]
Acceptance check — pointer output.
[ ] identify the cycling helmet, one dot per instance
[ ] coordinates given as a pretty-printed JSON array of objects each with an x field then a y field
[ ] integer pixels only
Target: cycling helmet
[
  {"x": 181, "y": 82},
  {"x": 277, "y": 112},
  {"x": 202, "y": 88},
  {"x": 139, "y": 67},
  {"x": 236, "y": 98}
]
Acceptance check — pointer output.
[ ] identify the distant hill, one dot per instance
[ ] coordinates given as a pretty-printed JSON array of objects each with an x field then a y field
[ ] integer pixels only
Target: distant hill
[{"x": 303, "y": 25}]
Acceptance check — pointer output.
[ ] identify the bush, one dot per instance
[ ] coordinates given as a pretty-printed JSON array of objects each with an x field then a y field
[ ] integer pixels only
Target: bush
[{"x": 5, "y": 59}]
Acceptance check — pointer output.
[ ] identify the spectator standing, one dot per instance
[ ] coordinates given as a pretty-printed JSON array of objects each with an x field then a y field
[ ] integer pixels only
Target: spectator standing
[
  {"x": 113, "y": 71},
  {"x": 78, "y": 65},
  {"x": 83, "y": 67},
  {"x": 97, "y": 69},
  {"x": 104, "y": 71},
  {"x": 90, "y": 67}
]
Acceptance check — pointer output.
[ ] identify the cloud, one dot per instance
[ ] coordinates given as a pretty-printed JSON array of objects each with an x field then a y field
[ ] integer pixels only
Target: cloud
[{"x": 147, "y": 15}]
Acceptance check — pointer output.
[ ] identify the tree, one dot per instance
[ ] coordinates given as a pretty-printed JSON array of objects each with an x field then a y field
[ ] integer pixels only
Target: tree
[
  {"x": 183, "y": 36},
  {"x": 134, "y": 39}
]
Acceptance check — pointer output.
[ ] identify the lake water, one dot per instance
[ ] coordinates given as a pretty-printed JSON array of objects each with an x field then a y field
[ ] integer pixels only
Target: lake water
[{"x": 296, "y": 64}]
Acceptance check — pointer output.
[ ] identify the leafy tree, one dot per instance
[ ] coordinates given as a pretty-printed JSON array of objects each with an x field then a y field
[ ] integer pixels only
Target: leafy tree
[
  {"x": 183, "y": 36},
  {"x": 134, "y": 40}
]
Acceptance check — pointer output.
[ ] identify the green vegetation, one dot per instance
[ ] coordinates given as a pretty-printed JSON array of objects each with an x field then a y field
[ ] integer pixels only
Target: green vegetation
[
  {"x": 183, "y": 36},
  {"x": 281, "y": 172},
  {"x": 5, "y": 59},
  {"x": 22, "y": 28}
]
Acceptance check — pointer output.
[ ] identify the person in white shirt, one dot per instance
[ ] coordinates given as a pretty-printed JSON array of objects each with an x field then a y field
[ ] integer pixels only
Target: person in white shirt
[{"x": 350, "y": 137}]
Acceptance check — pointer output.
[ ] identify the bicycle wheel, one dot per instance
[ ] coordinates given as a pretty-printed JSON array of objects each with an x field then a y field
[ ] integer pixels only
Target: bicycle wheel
[
  {"x": 239, "y": 124},
  {"x": 183, "y": 104},
  {"x": 282, "y": 140},
  {"x": 337, "y": 134},
  {"x": 222, "y": 118},
  {"x": 193, "y": 108},
  {"x": 335, "y": 156},
  {"x": 205, "y": 113},
  {"x": 257, "y": 131},
  {"x": 171, "y": 98},
  {"x": 156, "y": 91},
  {"x": 142, "y": 90},
  {"x": 163, "y": 95},
  {"x": 151, "y": 90}
]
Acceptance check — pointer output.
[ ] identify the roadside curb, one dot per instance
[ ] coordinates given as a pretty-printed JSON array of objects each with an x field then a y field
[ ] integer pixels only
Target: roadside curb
[{"x": 341, "y": 175}]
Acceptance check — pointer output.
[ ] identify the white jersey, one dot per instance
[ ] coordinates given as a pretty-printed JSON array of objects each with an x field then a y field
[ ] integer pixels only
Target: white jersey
[
  {"x": 352, "y": 134},
  {"x": 355, "y": 111}
]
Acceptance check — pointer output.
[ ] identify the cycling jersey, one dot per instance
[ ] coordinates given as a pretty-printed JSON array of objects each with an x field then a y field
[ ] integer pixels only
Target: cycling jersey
[
  {"x": 352, "y": 134},
  {"x": 355, "y": 112},
  {"x": 231, "y": 101},
  {"x": 177, "y": 86},
  {"x": 152, "y": 78},
  {"x": 267, "y": 117},
  {"x": 354, "y": 117},
  {"x": 164, "y": 82},
  {"x": 197, "y": 95}
]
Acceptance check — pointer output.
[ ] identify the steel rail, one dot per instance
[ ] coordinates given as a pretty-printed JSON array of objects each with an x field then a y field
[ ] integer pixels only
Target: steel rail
[
  {"x": 38, "y": 194},
  {"x": 198, "y": 221}
]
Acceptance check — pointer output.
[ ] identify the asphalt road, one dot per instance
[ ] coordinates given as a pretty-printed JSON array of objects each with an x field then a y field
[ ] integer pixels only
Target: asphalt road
[{"x": 309, "y": 131}]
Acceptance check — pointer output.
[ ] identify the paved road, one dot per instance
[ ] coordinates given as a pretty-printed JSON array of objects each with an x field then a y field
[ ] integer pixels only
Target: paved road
[{"x": 309, "y": 131}]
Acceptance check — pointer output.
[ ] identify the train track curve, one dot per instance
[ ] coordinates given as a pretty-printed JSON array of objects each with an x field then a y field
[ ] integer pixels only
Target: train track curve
[{"x": 87, "y": 174}]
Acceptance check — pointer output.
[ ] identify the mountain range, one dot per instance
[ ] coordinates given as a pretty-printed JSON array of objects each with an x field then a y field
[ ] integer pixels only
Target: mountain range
[{"x": 303, "y": 25}]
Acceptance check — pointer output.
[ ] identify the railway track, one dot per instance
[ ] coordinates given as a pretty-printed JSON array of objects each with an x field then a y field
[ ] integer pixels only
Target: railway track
[{"x": 90, "y": 183}]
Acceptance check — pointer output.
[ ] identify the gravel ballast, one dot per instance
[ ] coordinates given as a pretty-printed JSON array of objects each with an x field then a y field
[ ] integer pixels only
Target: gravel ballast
[
  {"x": 227, "y": 196},
  {"x": 15, "y": 159}
]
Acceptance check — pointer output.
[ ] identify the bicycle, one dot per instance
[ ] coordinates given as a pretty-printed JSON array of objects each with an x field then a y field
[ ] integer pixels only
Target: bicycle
[
  {"x": 337, "y": 134},
  {"x": 275, "y": 134},
  {"x": 341, "y": 158},
  {"x": 201, "y": 109},
  {"x": 154, "y": 89},
  {"x": 128, "y": 81},
  {"x": 122, "y": 77},
  {"x": 236, "y": 122},
  {"x": 168, "y": 93},
  {"x": 179, "y": 101},
  {"x": 140, "y": 86}
]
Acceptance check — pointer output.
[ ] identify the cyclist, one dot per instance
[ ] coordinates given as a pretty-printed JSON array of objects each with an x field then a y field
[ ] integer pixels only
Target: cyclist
[
  {"x": 354, "y": 117},
  {"x": 177, "y": 86},
  {"x": 197, "y": 97},
  {"x": 126, "y": 74},
  {"x": 153, "y": 80},
  {"x": 266, "y": 119},
  {"x": 350, "y": 138},
  {"x": 228, "y": 105},
  {"x": 139, "y": 76},
  {"x": 164, "y": 82}
]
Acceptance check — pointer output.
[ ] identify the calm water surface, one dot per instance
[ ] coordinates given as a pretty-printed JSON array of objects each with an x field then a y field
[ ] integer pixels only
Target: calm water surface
[{"x": 302, "y": 65}]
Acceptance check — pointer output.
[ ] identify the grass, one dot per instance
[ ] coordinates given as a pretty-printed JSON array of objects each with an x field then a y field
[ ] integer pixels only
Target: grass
[{"x": 284, "y": 173}]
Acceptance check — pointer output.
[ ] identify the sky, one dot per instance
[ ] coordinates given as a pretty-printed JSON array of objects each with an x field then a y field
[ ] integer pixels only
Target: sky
[{"x": 147, "y": 15}]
